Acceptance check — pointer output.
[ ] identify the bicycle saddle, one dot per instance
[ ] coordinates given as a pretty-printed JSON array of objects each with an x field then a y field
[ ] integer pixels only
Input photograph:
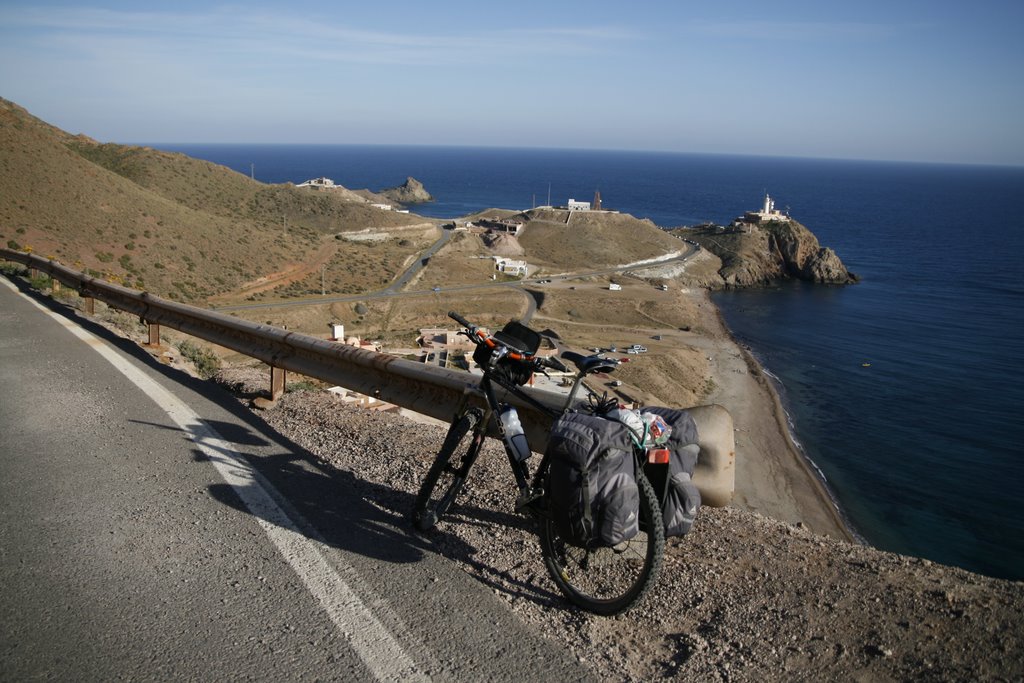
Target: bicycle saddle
[{"x": 590, "y": 364}]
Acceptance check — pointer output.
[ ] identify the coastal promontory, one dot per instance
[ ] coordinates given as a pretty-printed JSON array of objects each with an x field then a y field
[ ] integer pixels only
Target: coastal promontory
[{"x": 762, "y": 252}]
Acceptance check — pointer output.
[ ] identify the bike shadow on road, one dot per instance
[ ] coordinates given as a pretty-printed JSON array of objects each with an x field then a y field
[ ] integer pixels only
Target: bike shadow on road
[
  {"x": 371, "y": 519},
  {"x": 496, "y": 577}
]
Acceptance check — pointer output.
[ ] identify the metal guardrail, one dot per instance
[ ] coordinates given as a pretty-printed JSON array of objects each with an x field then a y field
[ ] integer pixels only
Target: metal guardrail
[{"x": 419, "y": 387}]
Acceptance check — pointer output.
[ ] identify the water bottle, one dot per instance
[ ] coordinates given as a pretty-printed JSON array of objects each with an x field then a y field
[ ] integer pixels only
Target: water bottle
[{"x": 514, "y": 435}]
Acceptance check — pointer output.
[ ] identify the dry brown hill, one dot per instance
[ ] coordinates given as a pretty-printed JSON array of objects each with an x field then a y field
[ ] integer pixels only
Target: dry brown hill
[
  {"x": 581, "y": 240},
  {"x": 181, "y": 227},
  {"x": 553, "y": 240}
]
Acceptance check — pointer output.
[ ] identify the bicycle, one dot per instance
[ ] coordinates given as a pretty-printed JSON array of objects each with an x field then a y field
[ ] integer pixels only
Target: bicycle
[{"x": 603, "y": 580}]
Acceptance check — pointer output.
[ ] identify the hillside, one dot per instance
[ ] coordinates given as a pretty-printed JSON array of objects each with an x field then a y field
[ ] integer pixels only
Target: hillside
[
  {"x": 184, "y": 228},
  {"x": 584, "y": 240},
  {"x": 553, "y": 241}
]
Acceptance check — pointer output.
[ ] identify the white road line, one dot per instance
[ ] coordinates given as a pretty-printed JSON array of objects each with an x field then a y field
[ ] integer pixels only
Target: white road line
[{"x": 372, "y": 641}]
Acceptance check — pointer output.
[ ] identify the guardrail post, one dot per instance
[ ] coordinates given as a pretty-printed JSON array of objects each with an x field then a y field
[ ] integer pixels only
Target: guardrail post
[
  {"x": 154, "y": 333},
  {"x": 277, "y": 377},
  {"x": 33, "y": 274},
  {"x": 89, "y": 305},
  {"x": 55, "y": 286}
]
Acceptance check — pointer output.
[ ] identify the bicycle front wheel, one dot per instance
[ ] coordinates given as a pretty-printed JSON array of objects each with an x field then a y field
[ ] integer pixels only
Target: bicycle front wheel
[
  {"x": 608, "y": 581},
  {"x": 446, "y": 476}
]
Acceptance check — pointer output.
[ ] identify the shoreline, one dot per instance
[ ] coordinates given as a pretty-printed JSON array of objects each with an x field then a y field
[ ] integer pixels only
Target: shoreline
[
  {"x": 774, "y": 476},
  {"x": 789, "y": 426},
  {"x": 811, "y": 468}
]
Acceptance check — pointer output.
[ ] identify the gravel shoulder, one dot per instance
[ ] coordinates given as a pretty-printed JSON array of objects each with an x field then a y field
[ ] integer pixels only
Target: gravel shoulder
[{"x": 743, "y": 597}]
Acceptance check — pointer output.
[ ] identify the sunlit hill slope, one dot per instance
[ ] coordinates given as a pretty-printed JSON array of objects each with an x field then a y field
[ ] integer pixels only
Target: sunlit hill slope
[{"x": 183, "y": 228}]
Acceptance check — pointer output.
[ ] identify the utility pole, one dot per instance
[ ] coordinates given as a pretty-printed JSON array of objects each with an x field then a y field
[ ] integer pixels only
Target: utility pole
[
  {"x": 252, "y": 171},
  {"x": 323, "y": 291}
]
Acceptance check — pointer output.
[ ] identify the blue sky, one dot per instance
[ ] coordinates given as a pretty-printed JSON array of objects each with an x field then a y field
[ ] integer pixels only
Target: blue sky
[{"x": 902, "y": 80}]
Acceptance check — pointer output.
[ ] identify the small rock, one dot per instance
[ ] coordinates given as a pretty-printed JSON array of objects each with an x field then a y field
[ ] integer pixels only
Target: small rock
[
  {"x": 875, "y": 650},
  {"x": 263, "y": 403}
]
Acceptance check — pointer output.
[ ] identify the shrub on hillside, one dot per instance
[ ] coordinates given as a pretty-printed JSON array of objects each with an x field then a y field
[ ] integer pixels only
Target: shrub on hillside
[{"x": 205, "y": 361}]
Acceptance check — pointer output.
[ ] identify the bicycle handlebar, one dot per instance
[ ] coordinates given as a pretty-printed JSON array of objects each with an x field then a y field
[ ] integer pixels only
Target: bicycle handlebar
[
  {"x": 478, "y": 337},
  {"x": 460, "y": 320}
]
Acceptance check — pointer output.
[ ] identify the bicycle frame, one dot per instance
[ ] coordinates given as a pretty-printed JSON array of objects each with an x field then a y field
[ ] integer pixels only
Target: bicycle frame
[{"x": 527, "y": 492}]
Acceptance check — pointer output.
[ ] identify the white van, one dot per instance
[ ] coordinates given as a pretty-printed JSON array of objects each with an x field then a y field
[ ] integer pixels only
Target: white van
[{"x": 615, "y": 286}]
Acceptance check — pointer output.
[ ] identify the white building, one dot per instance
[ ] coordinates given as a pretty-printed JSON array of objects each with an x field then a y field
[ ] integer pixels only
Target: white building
[
  {"x": 509, "y": 266},
  {"x": 578, "y": 206},
  {"x": 318, "y": 183},
  {"x": 768, "y": 212}
]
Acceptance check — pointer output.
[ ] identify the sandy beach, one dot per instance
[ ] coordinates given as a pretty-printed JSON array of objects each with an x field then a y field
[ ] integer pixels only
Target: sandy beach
[{"x": 773, "y": 477}]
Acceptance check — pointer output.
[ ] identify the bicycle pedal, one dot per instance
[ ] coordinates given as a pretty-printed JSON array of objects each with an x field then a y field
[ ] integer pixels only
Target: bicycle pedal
[{"x": 527, "y": 498}]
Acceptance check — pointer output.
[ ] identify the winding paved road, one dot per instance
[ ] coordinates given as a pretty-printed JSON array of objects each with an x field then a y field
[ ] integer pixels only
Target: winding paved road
[{"x": 151, "y": 528}]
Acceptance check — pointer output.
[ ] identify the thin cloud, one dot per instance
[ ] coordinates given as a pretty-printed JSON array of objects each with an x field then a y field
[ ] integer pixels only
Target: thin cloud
[{"x": 241, "y": 31}]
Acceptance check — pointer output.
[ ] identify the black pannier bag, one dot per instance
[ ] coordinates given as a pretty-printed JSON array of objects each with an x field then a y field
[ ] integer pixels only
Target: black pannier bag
[
  {"x": 592, "y": 481},
  {"x": 517, "y": 337},
  {"x": 680, "y": 499}
]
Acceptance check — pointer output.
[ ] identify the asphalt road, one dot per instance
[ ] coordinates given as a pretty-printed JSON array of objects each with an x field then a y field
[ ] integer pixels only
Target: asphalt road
[{"x": 151, "y": 528}]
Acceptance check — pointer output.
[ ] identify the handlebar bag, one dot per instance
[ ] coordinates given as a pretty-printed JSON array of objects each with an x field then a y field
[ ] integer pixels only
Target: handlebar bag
[
  {"x": 594, "y": 499},
  {"x": 679, "y": 496},
  {"x": 519, "y": 338}
]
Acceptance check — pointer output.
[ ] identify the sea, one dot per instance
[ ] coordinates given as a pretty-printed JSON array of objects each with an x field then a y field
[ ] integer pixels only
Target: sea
[{"x": 905, "y": 390}]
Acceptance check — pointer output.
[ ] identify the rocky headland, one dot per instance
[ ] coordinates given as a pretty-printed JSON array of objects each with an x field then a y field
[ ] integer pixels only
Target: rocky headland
[
  {"x": 409, "y": 192},
  {"x": 758, "y": 254}
]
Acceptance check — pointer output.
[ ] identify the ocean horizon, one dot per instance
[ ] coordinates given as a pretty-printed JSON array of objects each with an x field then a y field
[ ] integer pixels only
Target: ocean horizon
[{"x": 902, "y": 389}]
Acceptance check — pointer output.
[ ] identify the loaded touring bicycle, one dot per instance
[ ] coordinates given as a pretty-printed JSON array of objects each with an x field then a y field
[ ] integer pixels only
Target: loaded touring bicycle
[{"x": 601, "y": 522}]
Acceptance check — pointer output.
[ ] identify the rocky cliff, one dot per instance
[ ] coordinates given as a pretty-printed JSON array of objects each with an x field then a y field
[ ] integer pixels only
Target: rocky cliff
[
  {"x": 409, "y": 192},
  {"x": 754, "y": 255}
]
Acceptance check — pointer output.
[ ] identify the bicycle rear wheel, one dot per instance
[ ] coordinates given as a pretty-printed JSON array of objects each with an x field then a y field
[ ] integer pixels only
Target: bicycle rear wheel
[
  {"x": 446, "y": 476},
  {"x": 608, "y": 580}
]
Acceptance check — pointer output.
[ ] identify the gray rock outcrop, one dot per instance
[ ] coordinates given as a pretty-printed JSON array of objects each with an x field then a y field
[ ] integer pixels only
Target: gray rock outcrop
[
  {"x": 802, "y": 256},
  {"x": 756, "y": 255},
  {"x": 409, "y": 192}
]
